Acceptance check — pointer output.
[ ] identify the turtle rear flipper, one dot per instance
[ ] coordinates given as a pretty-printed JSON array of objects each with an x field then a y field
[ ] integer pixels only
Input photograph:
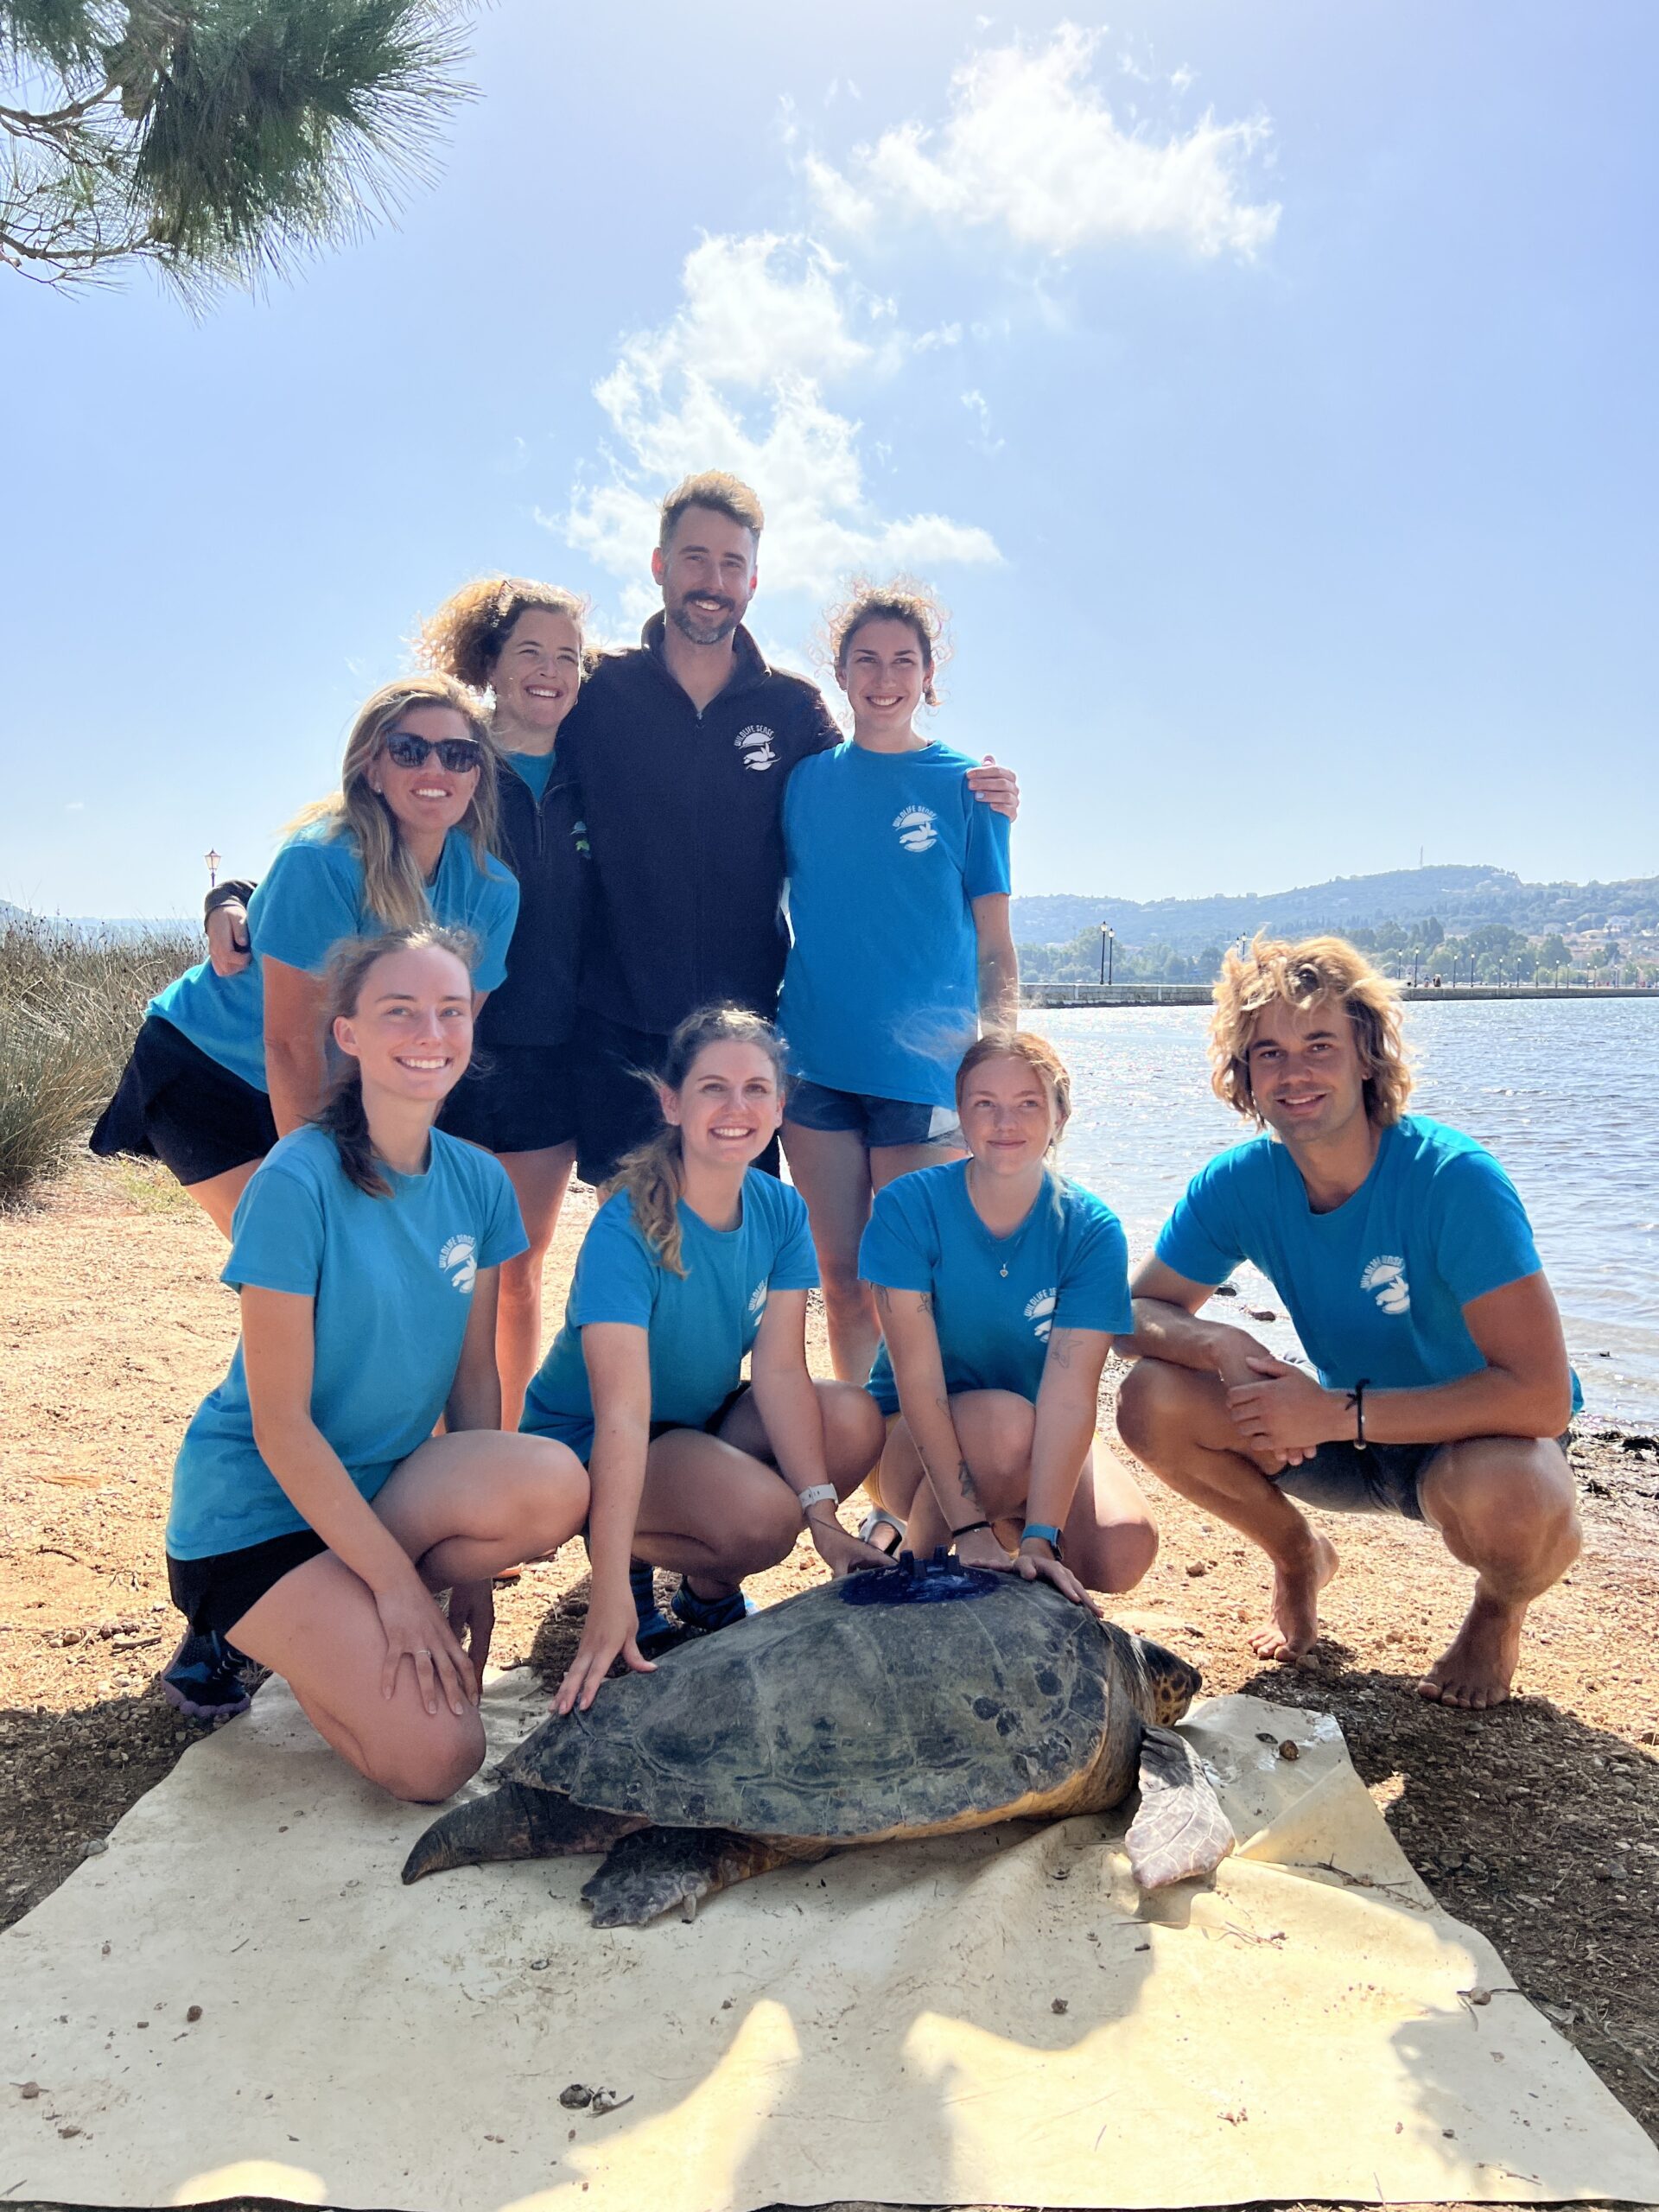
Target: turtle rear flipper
[
  {"x": 652, "y": 1872},
  {"x": 511, "y": 1822},
  {"x": 1180, "y": 1831}
]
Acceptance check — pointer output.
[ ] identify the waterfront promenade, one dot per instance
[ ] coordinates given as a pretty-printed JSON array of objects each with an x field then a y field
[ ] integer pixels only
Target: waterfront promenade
[{"x": 1199, "y": 994}]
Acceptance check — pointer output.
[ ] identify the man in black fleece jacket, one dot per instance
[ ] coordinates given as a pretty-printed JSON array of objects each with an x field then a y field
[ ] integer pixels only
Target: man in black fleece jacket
[{"x": 681, "y": 748}]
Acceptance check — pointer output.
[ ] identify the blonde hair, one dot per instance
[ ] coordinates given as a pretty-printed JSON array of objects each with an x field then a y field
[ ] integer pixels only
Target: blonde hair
[
  {"x": 1037, "y": 1054},
  {"x": 391, "y": 881},
  {"x": 341, "y": 1112},
  {"x": 651, "y": 1174},
  {"x": 1319, "y": 971},
  {"x": 464, "y": 637},
  {"x": 903, "y": 598},
  {"x": 717, "y": 488}
]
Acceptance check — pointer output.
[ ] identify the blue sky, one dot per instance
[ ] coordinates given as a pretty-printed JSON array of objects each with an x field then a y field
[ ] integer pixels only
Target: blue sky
[{"x": 1266, "y": 388}]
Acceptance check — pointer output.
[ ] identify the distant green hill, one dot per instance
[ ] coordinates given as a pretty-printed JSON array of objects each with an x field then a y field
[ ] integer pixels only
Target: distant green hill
[{"x": 1462, "y": 899}]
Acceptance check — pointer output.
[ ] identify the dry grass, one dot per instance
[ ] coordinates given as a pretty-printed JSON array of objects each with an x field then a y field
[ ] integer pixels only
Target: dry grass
[{"x": 70, "y": 1006}]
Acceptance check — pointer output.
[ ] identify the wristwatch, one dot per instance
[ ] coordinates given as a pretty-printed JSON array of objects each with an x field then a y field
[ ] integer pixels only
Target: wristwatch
[
  {"x": 819, "y": 1494},
  {"x": 1047, "y": 1531}
]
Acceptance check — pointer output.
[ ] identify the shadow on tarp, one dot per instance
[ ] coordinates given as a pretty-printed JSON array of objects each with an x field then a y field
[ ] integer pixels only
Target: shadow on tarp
[{"x": 1533, "y": 1826}]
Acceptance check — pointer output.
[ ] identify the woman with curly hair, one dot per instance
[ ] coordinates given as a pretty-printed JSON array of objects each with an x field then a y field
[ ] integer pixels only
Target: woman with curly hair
[
  {"x": 522, "y": 642},
  {"x": 899, "y": 905}
]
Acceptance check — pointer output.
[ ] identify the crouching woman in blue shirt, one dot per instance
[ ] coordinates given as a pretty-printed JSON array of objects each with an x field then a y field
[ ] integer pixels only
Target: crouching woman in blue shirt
[
  {"x": 314, "y": 1514},
  {"x": 695, "y": 1260},
  {"x": 1000, "y": 1285}
]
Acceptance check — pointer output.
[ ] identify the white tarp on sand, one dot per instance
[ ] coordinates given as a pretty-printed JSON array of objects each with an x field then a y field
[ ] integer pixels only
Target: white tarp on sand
[{"x": 990, "y": 2019}]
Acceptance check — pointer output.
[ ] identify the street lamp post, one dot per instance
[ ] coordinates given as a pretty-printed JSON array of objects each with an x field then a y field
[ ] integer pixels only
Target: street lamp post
[
  {"x": 1108, "y": 949},
  {"x": 212, "y": 868}
]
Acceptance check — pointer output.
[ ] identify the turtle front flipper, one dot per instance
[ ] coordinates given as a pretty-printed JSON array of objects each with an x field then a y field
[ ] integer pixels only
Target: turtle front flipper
[
  {"x": 1180, "y": 1831},
  {"x": 512, "y": 1822},
  {"x": 651, "y": 1872}
]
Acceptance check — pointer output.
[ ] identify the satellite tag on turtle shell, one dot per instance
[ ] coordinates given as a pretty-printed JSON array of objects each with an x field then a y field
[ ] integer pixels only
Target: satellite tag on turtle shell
[{"x": 913, "y": 1581}]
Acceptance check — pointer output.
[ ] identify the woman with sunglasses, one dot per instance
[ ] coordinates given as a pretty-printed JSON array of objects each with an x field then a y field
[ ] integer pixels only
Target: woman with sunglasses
[{"x": 225, "y": 1063}]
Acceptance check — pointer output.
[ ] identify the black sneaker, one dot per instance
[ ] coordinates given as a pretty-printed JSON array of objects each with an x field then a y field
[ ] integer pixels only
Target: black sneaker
[
  {"x": 203, "y": 1680},
  {"x": 706, "y": 1616},
  {"x": 656, "y": 1632}
]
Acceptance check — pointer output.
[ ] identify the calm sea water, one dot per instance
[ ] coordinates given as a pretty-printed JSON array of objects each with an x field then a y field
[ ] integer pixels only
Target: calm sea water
[{"x": 1566, "y": 1092}]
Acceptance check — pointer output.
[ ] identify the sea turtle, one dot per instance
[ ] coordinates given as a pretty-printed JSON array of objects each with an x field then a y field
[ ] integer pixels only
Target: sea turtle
[{"x": 909, "y": 1700}]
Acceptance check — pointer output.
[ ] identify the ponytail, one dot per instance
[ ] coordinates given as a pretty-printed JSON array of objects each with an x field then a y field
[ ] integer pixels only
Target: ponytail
[
  {"x": 650, "y": 1173},
  {"x": 651, "y": 1176},
  {"x": 341, "y": 1114}
]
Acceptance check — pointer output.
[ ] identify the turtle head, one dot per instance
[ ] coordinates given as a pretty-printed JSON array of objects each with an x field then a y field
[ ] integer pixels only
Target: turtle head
[{"x": 1172, "y": 1683}]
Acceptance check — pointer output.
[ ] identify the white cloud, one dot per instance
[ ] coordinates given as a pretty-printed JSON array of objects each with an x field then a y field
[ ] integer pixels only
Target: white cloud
[
  {"x": 735, "y": 380},
  {"x": 1029, "y": 146},
  {"x": 979, "y": 407}
]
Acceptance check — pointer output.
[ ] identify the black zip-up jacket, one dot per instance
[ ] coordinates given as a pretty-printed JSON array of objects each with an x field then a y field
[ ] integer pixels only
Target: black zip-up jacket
[
  {"x": 684, "y": 815},
  {"x": 542, "y": 844}
]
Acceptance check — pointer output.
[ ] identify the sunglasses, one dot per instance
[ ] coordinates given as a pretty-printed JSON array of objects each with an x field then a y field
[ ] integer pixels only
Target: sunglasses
[{"x": 461, "y": 756}]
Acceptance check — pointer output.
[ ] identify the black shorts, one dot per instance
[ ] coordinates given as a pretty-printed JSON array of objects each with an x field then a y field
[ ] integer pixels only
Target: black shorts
[
  {"x": 515, "y": 1098},
  {"x": 1342, "y": 1478},
  {"x": 176, "y": 1105},
  {"x": 616, "y": 1106},
  {"x": 715, "y": 1422},
  {"x": 213, "y": 1593}
]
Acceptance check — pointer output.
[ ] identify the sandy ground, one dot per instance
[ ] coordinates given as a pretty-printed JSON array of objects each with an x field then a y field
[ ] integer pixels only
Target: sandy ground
[{"x": 1538, "y": 1824}]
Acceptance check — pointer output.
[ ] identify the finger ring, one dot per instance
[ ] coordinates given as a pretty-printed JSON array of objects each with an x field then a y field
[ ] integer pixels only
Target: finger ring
[{"x": 421, "y": 1652}]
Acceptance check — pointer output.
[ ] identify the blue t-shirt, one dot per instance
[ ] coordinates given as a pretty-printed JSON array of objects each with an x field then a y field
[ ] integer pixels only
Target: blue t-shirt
[
  {"x": 312, "y": 896},
  {"x": 536, "y": 768},
  {"x": 700, "y": 1324},
  {"x": 392, "y": 1279},
  {"x": 885, "y": 853},
  {"x": 1377, "y": 1288},
  {"x": 995, "y": 1298}
]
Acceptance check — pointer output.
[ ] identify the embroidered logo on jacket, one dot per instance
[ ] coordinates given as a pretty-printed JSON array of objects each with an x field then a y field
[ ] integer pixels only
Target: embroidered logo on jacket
[
  {"x": 1385, "y": 1278},
  {"x": 1040, "y": 1311},
  {"x": 918, "y": 828},
  {"x": 459, "y": 1260},
  {"x": 756, "y": 745}
]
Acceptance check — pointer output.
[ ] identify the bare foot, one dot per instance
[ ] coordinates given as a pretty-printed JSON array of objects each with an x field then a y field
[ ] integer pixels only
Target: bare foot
[
  {"x": 1295, "y": 1624},
  {"x": 1476, "y": 1669}
]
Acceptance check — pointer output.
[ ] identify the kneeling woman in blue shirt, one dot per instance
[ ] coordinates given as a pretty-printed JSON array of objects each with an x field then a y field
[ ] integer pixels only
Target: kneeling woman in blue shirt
[
  {"x": 1000, "y": 1285},
  {"x": 314, "y": 1514},
  {"x": 696, "y": 1259}
]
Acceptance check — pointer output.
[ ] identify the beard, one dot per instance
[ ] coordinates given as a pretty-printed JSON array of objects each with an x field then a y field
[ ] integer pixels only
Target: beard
[{"x": 701, "y": 629}]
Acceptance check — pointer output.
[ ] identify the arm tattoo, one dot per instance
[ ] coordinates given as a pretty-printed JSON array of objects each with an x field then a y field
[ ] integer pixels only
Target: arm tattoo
[
  {"x": 926, "y": 1302},
  {"x": 1059, "y": 1347},
  {"x": 883, "y": 1298},
  {"x": 969, "y": 1489}
]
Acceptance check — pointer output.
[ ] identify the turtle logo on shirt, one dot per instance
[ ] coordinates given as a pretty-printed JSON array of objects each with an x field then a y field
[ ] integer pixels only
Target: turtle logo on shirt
[
  {"x": 918, "y": 828},
  {"x": 1040, "y": 1311},
  {"x": 1385, "y": 1278},
  {"x": 758, "y": 1298},
  {"x": 459, "y": 1260},
  {"x": 754, "y": 743}
]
